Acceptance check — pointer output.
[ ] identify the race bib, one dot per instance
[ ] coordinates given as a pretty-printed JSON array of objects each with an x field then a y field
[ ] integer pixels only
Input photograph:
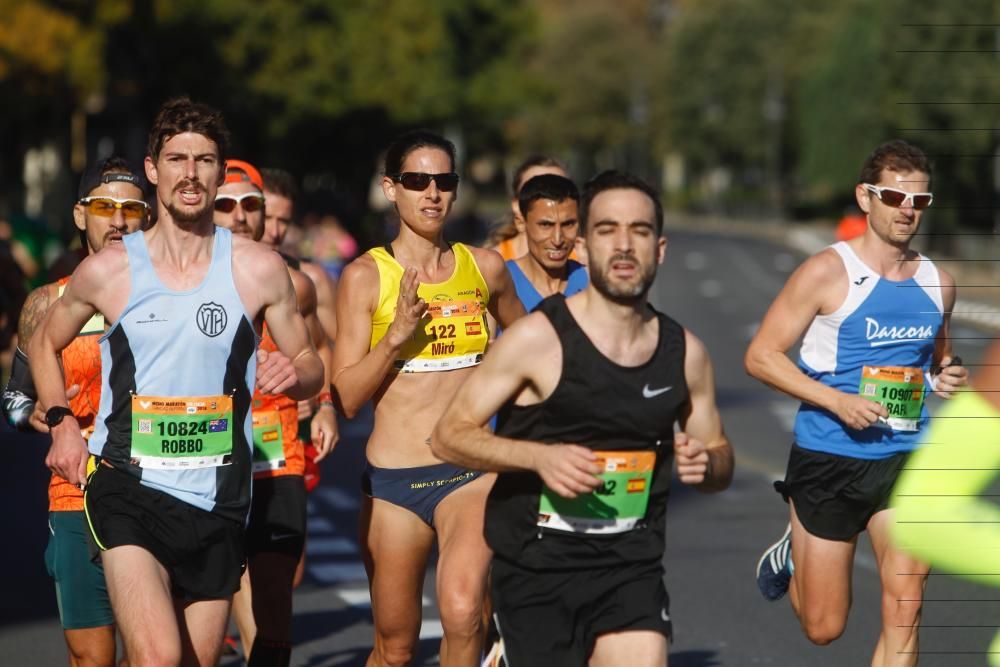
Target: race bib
[
  {"x": 900, "y": 389},
  {"x": 184, "y": 432},
  {"x": 615, "y": 507},
  {"x": 268, "y": 442}
]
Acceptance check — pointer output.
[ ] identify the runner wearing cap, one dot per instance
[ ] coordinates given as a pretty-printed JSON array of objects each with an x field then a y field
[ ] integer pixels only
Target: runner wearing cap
[
  {"x": 280, "y": 193},
  {"x": 276, "y": 532},
  {"x": 168, "y": 502},
  {"x": 110, "y": 205},
  {"x": 411, "y": 325}
]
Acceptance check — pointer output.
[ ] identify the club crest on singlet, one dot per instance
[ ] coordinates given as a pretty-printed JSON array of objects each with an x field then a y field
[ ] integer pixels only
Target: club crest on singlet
[{"x": 212, "y": 319}]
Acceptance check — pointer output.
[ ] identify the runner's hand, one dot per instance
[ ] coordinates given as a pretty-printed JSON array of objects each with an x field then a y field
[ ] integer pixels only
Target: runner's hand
[
  {"x": 324, "y": 431},
  {"x": 692, "y": 459},
  {"x": 275, "y": 372},
  {"x": 37, "y": 418},
  {"x": 858, "y": 413},
  {"x": 68, "y": 454},
  {"x": 306, "y": 409},
  {"x": 952, "y": 377},
  {"x": 409, "y": 310},
  {"x": 569, "y": 470}
]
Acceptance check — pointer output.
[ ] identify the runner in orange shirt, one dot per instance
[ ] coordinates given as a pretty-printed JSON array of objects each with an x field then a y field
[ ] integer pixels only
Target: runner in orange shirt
[
  {"x": 275, "y": 536},
  {"x": 111, "y": 204}
]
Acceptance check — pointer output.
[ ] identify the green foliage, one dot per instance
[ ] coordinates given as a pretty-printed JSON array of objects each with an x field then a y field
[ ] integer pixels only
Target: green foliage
[
  {"x": 787, "y": 96},
  {"x": 804, "y": 91}
]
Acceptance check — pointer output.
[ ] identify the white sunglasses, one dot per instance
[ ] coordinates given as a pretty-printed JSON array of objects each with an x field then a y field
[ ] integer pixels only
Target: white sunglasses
[{"x": 896, "y": 198}]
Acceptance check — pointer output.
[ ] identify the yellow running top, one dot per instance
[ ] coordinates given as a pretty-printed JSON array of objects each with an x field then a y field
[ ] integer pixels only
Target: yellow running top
[{"x": 454, "y": 333}]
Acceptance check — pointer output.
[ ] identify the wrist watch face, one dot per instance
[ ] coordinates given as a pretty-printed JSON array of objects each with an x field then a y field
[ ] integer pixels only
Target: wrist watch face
[{"x": 54, "y": 416}]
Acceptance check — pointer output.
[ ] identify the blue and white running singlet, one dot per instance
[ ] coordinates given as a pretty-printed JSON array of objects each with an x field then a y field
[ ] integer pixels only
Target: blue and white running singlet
[
  {"x": 178, "y": 374},
  {"x": 878, "y": 344}
]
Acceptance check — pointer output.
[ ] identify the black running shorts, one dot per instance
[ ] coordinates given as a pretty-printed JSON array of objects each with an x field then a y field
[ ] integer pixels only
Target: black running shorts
[
  {"x": 553, "y": 618},
  {"x": 202, "y": 552},
  {"x": 836, "y": 496},
  {"x": 277, "y": 516}
]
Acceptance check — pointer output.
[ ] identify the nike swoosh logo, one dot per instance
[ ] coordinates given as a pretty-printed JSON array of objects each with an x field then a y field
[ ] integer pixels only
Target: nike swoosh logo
[
  {"x": 860, "y": 280},
  {"x": 664, "y": 615},
  {"x": 650, "y": 393}
]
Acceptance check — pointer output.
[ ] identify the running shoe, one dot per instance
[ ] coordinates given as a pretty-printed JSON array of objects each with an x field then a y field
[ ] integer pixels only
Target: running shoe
[
  {"x": 495, "y": 656},
  {"x": 774, "y": 569},
  {"x": 230, "y": 646}
]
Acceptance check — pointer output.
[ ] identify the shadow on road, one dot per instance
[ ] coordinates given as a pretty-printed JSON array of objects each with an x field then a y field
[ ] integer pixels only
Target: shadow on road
[{"x": 694, "y": 659}]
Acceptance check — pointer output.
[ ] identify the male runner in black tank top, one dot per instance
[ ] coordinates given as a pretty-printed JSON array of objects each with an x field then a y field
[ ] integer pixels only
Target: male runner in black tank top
[{"x": 588, "y": 390}]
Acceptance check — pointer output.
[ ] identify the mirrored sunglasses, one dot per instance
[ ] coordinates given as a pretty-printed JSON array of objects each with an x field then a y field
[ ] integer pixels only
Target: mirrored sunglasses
[{"x": 250, "y": 201}]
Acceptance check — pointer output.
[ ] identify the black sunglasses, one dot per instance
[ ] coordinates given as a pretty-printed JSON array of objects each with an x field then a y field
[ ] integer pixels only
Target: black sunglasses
[{"x": 419, "y": 181}]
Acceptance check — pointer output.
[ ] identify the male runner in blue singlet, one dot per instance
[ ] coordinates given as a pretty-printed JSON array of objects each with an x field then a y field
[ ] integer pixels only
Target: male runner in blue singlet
[
  {"x": 185, "y": 302},
  {"x": 549, "y": 223},
  {"x": 874, "y": 314}
]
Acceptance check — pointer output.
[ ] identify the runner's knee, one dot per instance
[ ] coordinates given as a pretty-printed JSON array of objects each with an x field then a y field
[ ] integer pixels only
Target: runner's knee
[
  {"x": 822, "y": 628},
  {"x": 900, "y": 610},
  {"x": 461, "y": 612},
  {"x": 154, "y": 654},
  {"x": 394, "y": 652}
]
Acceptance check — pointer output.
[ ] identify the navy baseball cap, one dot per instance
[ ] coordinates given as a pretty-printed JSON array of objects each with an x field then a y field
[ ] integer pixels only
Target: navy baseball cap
[{"x": 120, "y": 171}]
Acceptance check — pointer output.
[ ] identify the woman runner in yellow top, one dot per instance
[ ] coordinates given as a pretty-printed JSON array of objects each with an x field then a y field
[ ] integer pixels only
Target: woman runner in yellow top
[{"x": 412, "y": 325}]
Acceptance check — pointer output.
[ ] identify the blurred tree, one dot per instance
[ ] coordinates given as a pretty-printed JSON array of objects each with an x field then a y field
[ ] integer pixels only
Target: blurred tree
[
  {"x": 801, "y": 92},
  {"x": 927, "y": 79},
  {"x": 588, "y": 83},
  {"x": 315, "y": 86}
]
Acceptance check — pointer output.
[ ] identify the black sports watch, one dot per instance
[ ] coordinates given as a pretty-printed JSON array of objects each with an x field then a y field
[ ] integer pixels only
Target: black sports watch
[{"x": 54, "y": 416}]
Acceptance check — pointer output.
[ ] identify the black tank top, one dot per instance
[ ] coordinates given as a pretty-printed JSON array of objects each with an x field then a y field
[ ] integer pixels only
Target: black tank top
[{"x": 603, "y": 406}]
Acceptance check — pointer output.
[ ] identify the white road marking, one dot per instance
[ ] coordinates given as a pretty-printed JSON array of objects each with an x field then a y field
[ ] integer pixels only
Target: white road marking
[
  {"x": 757, "y": 276},
  {"x": 331, "y": 573},
  {"x": 695, "y": 260},
  {"x": 710, "y": 289},
  {"x": 785, "y": 410},
  {"x": 431, "y": 629}
]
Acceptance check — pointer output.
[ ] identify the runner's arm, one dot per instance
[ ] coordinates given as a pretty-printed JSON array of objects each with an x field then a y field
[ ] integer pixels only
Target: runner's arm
[
  {"x": 704, "y": 455},
  {"x": 19, "y": 395},
  {"x": 323, "y": 427},
  {"x": 462, "y": 436},
  {"x": 63, "y": 320},
  {"x": 326, "y": 303},
  {"x": 289, "y": 331},
  {"x": 792, "y": 312},
  {"x": 358, "y": 368},
  {"x": 952, "y": 376}
]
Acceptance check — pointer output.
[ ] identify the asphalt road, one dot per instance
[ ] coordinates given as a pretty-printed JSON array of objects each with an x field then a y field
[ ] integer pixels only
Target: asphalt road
[{"x": 718, "y": 287}]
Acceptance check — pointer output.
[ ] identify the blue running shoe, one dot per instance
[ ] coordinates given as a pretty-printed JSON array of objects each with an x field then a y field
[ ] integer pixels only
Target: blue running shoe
[{"x": 774, "y": 569}]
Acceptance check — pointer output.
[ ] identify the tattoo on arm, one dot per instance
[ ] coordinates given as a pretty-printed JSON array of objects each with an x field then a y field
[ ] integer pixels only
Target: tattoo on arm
[{"x": 31, "y": 315}]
